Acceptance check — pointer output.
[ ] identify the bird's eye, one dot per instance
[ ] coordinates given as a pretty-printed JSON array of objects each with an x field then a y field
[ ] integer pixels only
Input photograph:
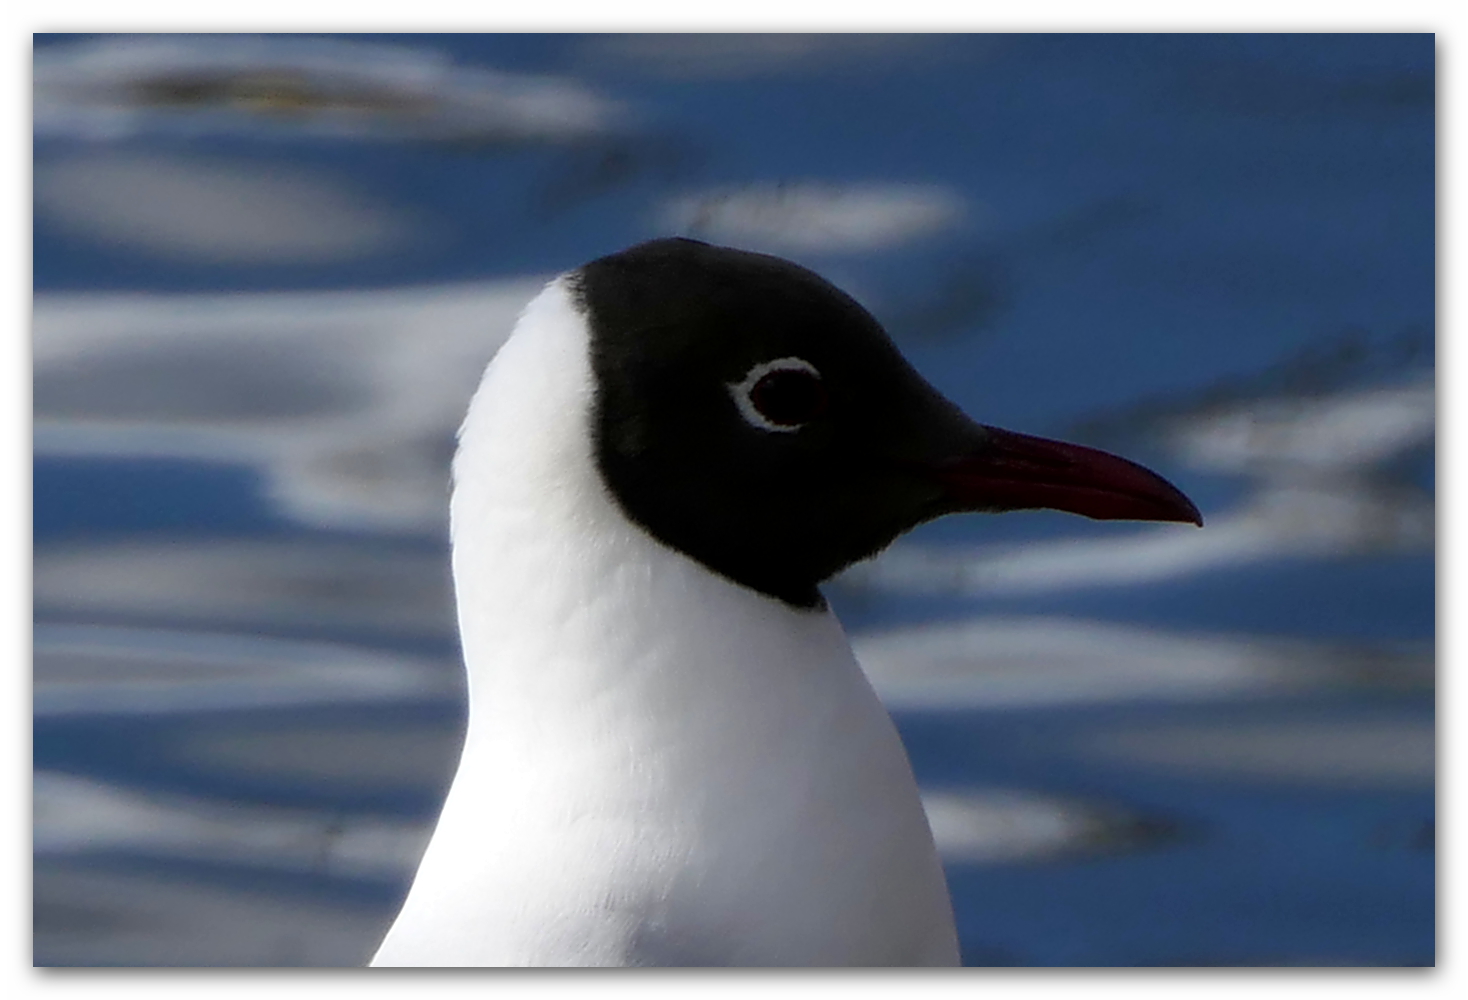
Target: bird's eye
[{"x": 781, "y": 395}]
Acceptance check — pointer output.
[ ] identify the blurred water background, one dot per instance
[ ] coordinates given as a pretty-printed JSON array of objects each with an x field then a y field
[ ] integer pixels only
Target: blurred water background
[{"x": 268, "y": 273}]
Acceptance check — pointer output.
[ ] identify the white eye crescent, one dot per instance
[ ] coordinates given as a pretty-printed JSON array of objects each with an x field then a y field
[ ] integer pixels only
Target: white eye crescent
[{"x": 781, "y": 395}]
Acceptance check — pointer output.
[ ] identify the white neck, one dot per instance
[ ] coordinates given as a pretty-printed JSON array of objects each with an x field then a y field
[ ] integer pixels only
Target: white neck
[{"x": 661, "y": 767}]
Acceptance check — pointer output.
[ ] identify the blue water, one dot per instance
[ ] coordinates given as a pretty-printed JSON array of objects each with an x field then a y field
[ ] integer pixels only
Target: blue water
[{"x": 1152, "y": 225}]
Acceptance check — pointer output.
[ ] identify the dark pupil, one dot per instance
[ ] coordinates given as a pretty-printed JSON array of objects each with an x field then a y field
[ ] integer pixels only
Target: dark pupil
[{"x": 789, "y": 397}]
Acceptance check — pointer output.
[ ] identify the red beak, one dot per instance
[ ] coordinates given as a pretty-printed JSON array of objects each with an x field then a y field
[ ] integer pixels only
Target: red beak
[{"x": 1020, "y": 472}]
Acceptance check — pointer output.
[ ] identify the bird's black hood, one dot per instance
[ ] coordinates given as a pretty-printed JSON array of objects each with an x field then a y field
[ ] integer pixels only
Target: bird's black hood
[{"x": 756, "y": 418}]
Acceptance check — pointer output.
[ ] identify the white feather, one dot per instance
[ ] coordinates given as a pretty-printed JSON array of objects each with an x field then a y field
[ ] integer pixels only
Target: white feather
[{"x": 662, "y": 767}]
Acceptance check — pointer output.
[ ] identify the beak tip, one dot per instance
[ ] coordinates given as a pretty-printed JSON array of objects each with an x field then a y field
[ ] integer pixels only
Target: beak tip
[
  {"x": 1189, "y": 512},
  {"x": 1179, "y": 509}
]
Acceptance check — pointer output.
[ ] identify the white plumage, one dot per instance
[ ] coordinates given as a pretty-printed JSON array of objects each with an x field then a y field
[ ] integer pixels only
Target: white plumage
[{"x": 662, "y": 767}]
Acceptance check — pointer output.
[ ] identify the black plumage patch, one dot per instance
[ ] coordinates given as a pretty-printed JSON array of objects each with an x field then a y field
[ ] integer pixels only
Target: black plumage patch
[{"x": 778, "y": 476}]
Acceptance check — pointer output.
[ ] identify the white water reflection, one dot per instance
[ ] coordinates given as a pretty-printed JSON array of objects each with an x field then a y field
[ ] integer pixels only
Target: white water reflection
[
  {"x": 343, "y": 586},
  {"x": 77, "y": 816},
  {"x": 191, "y": 209},
  {"x": 115, "y": 87},
  {"x": 1006, "y": 825},
  {"x": 1031, "y": 662},
  {"x": 101, "y": 670},
  {"x": 814, "y": 217},
  {"x": 1307, "y": 439},
  {"x": 346, "y": 402},
  {"x": 738, "y": 56},
  {"x": 1391, "y": 753}
]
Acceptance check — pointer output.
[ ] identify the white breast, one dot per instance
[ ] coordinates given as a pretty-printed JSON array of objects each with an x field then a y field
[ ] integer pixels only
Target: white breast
[{"x": 662, "y": 767}]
